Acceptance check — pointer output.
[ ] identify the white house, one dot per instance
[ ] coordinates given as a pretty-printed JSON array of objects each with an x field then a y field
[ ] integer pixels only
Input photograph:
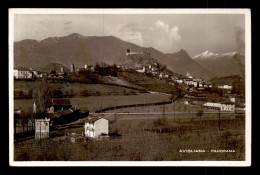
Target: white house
[
  {"x": 96, "y": 126},
  {"x": 232, "y": 99},
  {"x": 221, "y": 106},
  {"x": 228, "y": 87},
  {"x": 22, "y": 73},
  {"x": 188, "y": 81},
  {"x": 161, "y": 75},
  {"x": 180, "y": 81},
  {"x": 227, "y": 107},
  {"x": 141, "y": 70},
  {"x": 195, "y": 83},
  {"x": 154, "y": 73},
  {"x": 186, "y": 102}
]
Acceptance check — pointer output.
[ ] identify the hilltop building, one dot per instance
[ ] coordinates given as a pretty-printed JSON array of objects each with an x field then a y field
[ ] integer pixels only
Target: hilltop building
[
  {"x": 128, "y": 52},
  {"x": 95, "y": 127}
]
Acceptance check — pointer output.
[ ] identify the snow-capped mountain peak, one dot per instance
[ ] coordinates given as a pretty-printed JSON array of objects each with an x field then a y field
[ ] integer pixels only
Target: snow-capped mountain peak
[
  {"x": 207, "y": 54},
  {"x": 210, "y": 55}
]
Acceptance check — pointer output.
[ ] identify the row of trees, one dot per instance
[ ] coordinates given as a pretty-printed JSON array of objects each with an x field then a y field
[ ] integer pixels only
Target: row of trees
[{"x": 106, "y": 69}]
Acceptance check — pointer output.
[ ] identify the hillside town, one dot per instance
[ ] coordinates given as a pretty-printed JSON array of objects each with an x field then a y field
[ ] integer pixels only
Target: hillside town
[{"x": 60, "y": 110}]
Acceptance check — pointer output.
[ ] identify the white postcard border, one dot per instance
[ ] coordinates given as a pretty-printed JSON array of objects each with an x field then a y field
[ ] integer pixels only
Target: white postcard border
[{"x": 248, "y": 130}]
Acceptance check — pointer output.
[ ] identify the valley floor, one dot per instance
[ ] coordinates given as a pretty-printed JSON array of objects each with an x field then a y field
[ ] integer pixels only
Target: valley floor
[{"x": 143, "y": 140}]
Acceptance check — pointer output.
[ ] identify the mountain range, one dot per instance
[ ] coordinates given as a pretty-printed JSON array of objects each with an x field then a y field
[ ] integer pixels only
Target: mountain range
[
  {"x": 225, "y": 64},
  {"x": 80, "y": 50}
]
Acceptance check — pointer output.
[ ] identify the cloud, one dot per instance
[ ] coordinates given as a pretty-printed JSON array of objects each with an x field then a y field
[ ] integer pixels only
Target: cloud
[
  {"x": 159, "y": 35},
  {"x": 239, "y": 38},
  {"x": 164, "y": 29},
  {"x": 67, "y": 28},
  {"x": 163, "y": 37},
  {"x": 129, "y": 32},
  {"x": 68, "y": 22}
]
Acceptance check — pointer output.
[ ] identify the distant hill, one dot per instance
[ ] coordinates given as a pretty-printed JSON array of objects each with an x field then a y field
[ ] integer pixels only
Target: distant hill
[
  {"x": 80, "y": 50},
  {"x": 221, "y": 65},
  {"x": 55, "y": 66},
  {"x": 181, "y": 62},
  {"x": 227, "y": 80},
  {"x": 237, "y": 81}
]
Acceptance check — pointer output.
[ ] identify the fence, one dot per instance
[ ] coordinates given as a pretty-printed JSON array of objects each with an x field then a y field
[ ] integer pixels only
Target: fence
[{"x": 133, "y": 105}]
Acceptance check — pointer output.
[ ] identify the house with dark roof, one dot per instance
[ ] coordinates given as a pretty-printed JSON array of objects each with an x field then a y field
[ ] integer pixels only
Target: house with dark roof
[
  {"x": 65, "y": 116},
  {"x": 56, "y": 104},
  {"x": 96, "y": 126}
]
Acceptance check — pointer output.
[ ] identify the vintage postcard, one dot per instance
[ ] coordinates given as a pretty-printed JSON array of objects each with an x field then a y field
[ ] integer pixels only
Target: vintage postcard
[{"x": 130, "y": 87}]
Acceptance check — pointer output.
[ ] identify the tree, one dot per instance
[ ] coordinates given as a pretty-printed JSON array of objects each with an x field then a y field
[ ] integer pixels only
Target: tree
[
  {"x": 97, "y": 68},
  {"x": 160, "y": 123},
  {"x": 200, "y": 113},
  {"x": 41, "y": 93}
]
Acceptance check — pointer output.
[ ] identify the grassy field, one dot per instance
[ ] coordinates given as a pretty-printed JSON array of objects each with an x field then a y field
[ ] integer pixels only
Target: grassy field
[
  {"x": 93, "y": 103},
  {"x": 148, "y": 83},
  {"x": 176, "y": 110},
  {"x": 78, "y": 89},
  {"x": 141, "y": 142}
]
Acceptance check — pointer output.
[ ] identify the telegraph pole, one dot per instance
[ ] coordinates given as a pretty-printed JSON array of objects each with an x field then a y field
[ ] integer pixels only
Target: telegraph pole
[
  {"x": 101, "y": 106},
  {"x": 174, "y": 112},
  {"x": 144, "y": 102},
  {"x": 219, "y": 120},
  {"x": 163, "y": 111},
  {"x": 115, "y": 110}
]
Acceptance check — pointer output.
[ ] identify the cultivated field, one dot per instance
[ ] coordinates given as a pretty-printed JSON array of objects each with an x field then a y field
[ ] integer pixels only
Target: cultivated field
[
  {"x": 93, "y": 103},
  {"x": 78, "y": 89},
  {"x": 176, "y": 110}
]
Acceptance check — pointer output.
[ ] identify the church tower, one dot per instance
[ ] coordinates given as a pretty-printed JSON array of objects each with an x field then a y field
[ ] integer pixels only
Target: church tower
[{"x": 72, "y": 68}]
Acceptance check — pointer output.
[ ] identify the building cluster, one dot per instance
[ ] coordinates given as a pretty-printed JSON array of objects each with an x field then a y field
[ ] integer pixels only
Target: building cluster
[
  {"x": 152, "y": 69},
  {"x": 27, "y": 73},
  {"x": 220, "y": 106},
  {"x": 59, "y": 111},
  {"x": 225, "y": 86},
  {"x": 57, "y": 75},
  {"x": 193, "y": 82},
  {"x": 128, "y": 52}
]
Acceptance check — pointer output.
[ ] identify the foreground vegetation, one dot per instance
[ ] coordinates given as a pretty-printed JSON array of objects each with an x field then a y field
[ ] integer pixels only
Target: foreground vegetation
[{"x": 140, "y": 140}]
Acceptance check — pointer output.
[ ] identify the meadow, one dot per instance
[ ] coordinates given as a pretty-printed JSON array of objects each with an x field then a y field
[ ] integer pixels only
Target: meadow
[
  {"x": 78, "y": 89},
  {"x": 141, "y": 141},
  {"x": 93, "y": 103}
]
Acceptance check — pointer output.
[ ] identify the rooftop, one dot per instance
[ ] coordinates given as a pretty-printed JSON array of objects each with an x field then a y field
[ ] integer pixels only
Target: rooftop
[
  {"x": 92, "y": 120},
  {"x": 59, "y": 101}
]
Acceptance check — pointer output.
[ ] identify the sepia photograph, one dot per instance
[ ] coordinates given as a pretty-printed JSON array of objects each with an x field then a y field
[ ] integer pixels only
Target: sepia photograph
[{"x": 129, "y": 87}]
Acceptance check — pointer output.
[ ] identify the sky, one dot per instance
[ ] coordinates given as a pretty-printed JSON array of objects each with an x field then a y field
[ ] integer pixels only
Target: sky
[{"x": 168, "y": 33}]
